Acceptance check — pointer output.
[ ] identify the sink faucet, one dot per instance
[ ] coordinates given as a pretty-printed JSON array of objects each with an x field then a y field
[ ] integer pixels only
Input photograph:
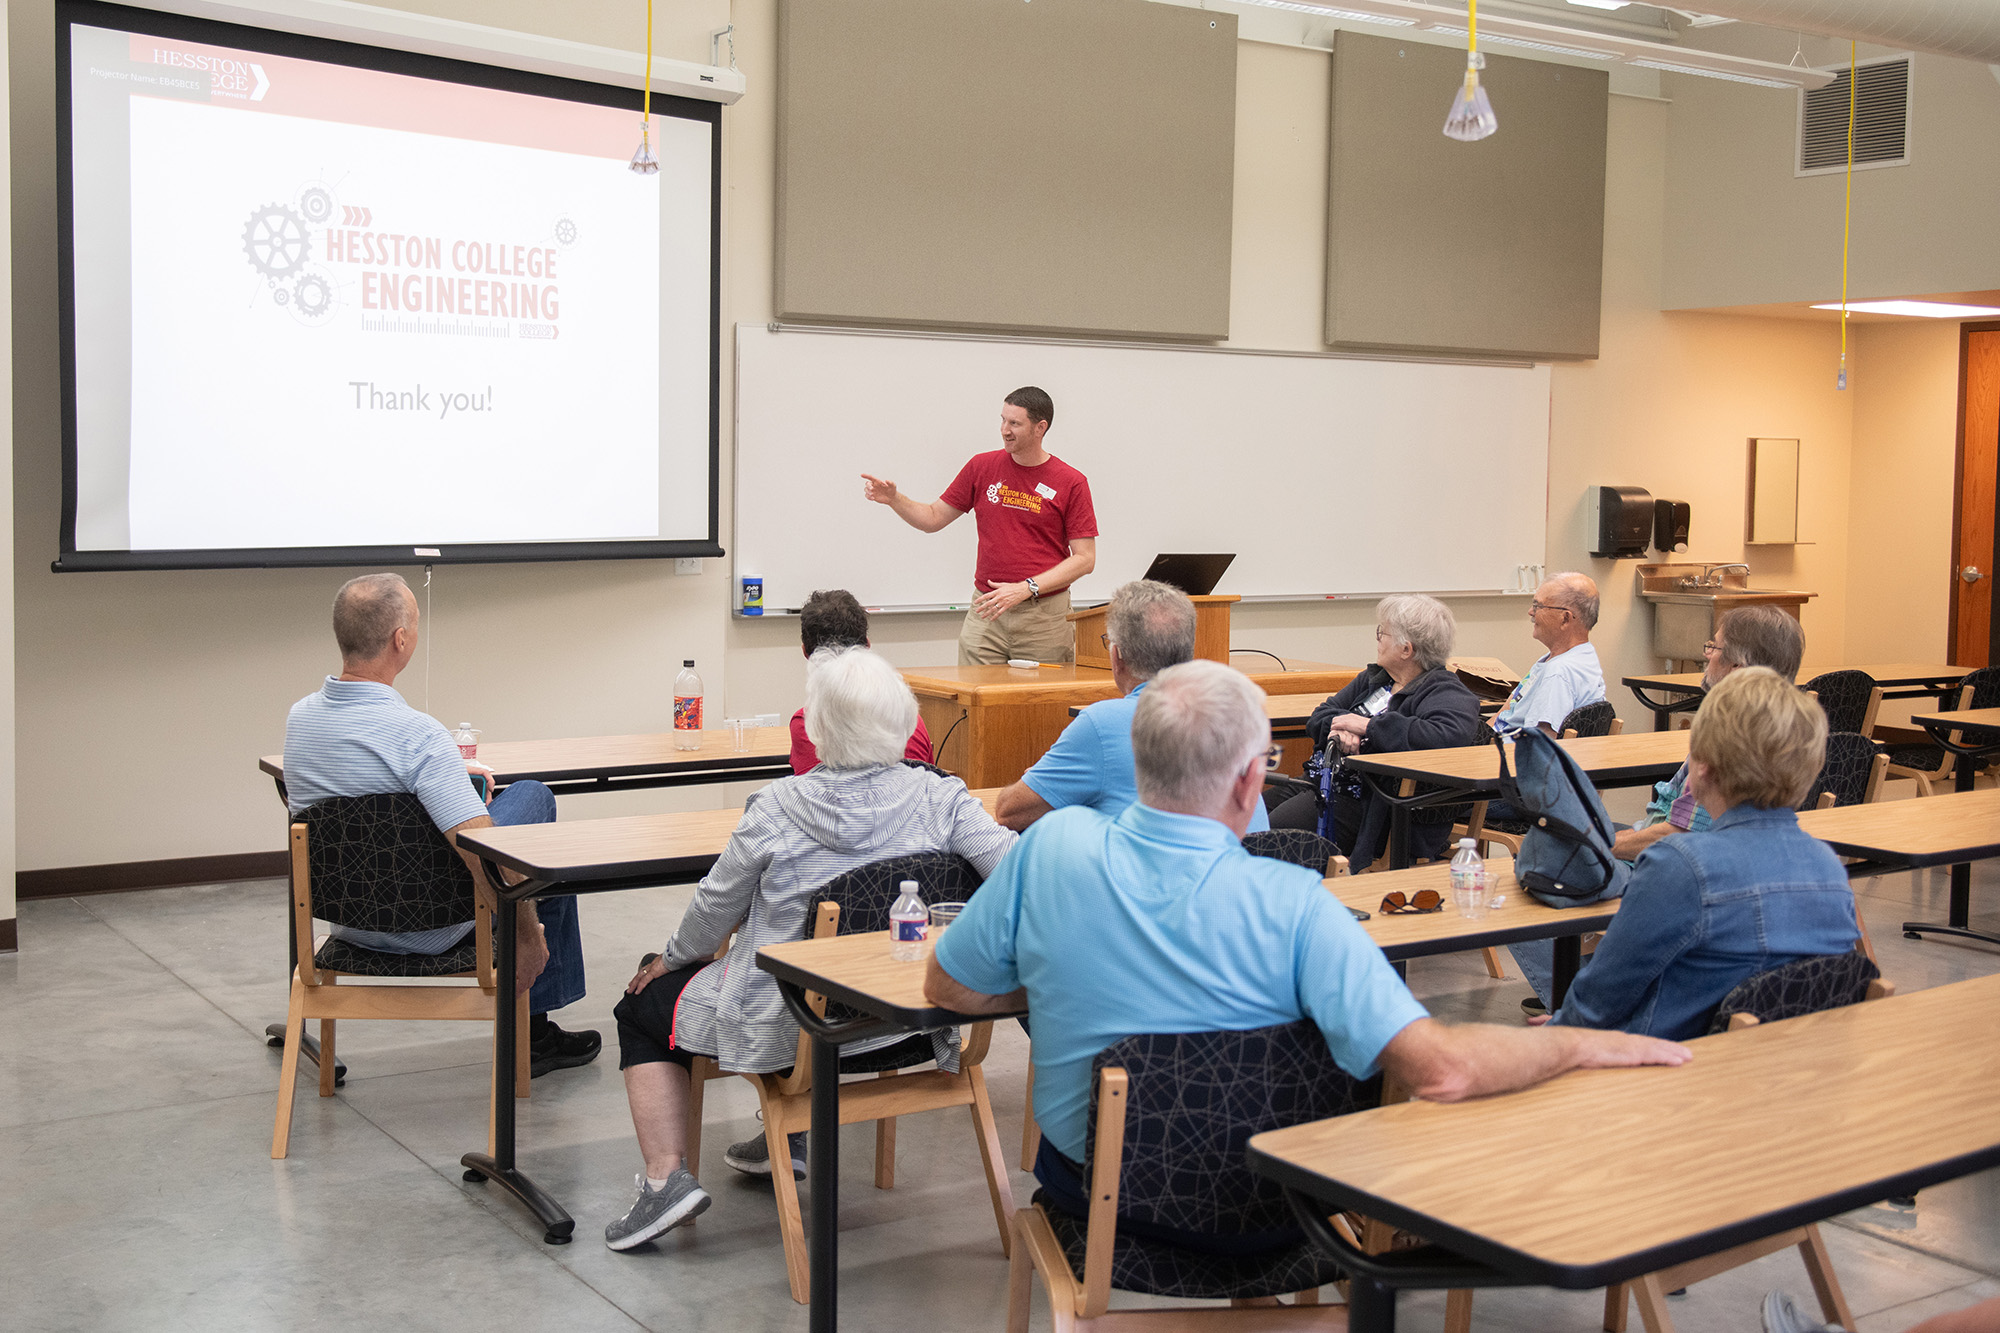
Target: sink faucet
[{"x": 1712, "y": 575}]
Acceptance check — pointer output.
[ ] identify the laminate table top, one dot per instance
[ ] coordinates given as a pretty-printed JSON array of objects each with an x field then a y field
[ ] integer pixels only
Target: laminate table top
[
  {"x": 1609, "y": 760},
  {"x": 616, "y": 762},
  {"x": 1889, "y": 675},
  {"x": 1709, "y": 1155},
  {"x": 1949, "y": 828},
  {"x": 1080, "y": 685}
]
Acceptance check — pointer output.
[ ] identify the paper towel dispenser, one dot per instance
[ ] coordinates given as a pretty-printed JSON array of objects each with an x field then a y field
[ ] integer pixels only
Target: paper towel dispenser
[
  {"x": 1670, "y": 525},
  {"x": 1618, "y": 521}
]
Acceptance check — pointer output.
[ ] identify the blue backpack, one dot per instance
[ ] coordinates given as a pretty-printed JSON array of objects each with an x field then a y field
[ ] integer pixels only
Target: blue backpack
[{"x": 1565, "y": 858}]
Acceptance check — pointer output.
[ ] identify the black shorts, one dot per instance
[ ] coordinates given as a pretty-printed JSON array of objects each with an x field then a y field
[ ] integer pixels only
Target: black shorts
[{"x": 646, "y": 1022}]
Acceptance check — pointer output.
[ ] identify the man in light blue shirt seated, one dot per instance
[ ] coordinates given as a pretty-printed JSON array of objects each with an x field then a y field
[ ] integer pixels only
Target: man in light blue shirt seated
[
  {"x": 355, "y": 736},
  {"x": 1568, "y": 675},
  {"x": 1157, "y": 921},
  {"x": 1149, "y": 627}
]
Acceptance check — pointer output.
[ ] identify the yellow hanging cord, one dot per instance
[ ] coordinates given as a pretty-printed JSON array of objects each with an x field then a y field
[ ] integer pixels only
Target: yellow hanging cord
[
  {"x": 1847, "y": 213},
  {"x": 1472, "y": 26},
  {"x": 646, "y": 111}
]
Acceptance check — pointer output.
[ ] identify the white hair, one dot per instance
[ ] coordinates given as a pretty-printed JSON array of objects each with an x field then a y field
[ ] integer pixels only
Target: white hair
[
  {"x": 859, "y": 711},
  {"x": 1424, "y": 623},
  {"x": 1197, "y": 726}
]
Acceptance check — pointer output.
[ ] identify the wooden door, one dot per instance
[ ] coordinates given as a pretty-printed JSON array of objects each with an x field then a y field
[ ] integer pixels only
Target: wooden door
[{"x": 1975, "y": 495}]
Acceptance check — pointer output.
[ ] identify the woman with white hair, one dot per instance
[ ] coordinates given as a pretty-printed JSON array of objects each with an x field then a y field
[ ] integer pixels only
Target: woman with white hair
[
  {"x": 860, "y": 805},
  {"x": 1408, "y": 700}
]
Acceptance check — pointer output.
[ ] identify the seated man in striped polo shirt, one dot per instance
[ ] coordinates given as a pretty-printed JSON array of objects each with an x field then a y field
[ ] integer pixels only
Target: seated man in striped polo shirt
[{"x": 356, "y": 737}]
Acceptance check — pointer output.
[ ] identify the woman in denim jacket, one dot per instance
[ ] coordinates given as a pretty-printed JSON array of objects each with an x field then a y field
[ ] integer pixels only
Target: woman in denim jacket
[{"x": 1706, "y": 911}]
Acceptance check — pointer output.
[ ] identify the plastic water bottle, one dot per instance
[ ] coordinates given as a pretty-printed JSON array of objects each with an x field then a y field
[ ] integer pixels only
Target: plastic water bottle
[
  {"x": 1468, "y": 880},
  {"x": 687, "y": 708},
  {"x": 907, "y": 918},
  {"x": 467, "y": 737}
]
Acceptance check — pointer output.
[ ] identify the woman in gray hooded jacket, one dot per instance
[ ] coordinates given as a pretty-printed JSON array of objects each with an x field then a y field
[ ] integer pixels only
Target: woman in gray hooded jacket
[{"x": 862, "y": 804}]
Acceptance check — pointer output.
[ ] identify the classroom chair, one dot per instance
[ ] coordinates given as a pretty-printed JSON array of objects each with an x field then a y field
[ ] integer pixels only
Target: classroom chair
[
  {"x": 1805, "y": 986},
  {"x": 1852, "y": 774},
  {"x": 1169, "y": 1117},
  {"x": 1851, "y": 699},
  {"x": 1929, "y": 764},
  {"x": 379, "y": 863},
  {"x": 849, "y": 904}
]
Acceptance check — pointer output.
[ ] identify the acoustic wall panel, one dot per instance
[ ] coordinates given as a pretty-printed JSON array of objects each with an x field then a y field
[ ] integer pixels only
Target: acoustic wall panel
[
  {"x": 1487, "y": 248},
  {"x": 1061, "y": 166}
]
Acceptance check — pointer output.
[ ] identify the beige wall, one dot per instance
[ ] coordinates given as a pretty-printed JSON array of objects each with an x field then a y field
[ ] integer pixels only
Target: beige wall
[
  {"x": 1905, "y": 443},
  {"x": 144, "y": 699}
]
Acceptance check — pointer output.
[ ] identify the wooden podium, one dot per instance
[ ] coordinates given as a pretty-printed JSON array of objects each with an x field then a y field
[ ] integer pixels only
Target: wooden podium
[{"x": 1211, "y": 631}]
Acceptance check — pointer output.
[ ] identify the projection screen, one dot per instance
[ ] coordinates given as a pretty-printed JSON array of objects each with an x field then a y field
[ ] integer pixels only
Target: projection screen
[{"x": 327, "y": 304}]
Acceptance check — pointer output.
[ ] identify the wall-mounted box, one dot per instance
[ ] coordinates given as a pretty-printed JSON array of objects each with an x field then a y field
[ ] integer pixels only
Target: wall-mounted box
[{"x": 1618, "y": 521}]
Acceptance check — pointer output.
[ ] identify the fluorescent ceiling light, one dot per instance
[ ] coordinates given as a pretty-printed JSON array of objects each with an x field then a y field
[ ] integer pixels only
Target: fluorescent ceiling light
[
  {"x": 1728, "y": 75},
  {"x": 1602, "y": 4},
  {"x": 1502, "y": 39},
  {"x": 1335, "y": 12},
  {"x": 1924, "y": 309}
]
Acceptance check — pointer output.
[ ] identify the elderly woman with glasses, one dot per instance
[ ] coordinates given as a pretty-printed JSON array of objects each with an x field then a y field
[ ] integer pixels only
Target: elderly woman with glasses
[{"x": 1408, "y": 700}]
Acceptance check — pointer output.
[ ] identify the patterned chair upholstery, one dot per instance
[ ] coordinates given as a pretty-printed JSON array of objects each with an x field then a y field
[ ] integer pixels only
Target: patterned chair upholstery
[
  {"x": 1299, "y": 847},
  {"x": 1193, "y": 1102},
  {"x": 1927, "y": 760},
  {"x": 1848, "y": 771},
  {"x": 1845, "y": 697},
  {"x": 865, "y": 895},
  {"x": 1802, "y": 986},
  {"x": 1590, "y": 720},
  {"x": 379, "y": 863}
]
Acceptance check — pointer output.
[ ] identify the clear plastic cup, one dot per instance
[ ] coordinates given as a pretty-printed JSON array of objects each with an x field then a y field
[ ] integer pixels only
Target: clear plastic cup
[
  {"x": 1470, "y": 897},
  {"x": 942, "y": 915},
  {"x": 739, "y": 739}
]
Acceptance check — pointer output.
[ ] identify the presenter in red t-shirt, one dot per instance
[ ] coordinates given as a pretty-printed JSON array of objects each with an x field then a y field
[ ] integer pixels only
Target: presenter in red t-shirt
[{"x": 1037, "y": 535}]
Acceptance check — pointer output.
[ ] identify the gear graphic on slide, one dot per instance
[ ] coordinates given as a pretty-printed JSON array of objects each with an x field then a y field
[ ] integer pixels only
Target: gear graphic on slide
[
  {"x": 565, "y": 232},
  {"x": 316, "y": 204},
  {"x": 281, "y": 296},
  {"x": 276, "y": 242},
  {"x": 313, "y": 296}
]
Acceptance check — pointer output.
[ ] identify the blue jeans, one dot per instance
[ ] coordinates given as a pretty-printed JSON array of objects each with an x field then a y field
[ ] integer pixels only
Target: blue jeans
[
  {"x": 561, "y": 982},
  {"x": 1537, "y": 961}
]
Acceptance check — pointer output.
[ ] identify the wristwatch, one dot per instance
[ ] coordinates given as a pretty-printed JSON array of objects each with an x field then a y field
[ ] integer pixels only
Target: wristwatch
[{"x": 1034, "y": 589}]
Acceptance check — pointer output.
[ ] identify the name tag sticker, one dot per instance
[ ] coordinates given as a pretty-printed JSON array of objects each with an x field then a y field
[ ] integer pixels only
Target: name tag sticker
[{"x": 1046, "y": 491}]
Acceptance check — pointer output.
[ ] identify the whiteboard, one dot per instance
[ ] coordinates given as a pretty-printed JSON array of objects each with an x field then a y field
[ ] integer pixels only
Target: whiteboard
[{"x": 1326, "y": 476}]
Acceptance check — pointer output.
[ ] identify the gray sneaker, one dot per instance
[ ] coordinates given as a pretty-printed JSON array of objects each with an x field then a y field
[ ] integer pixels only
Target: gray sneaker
[
  {"x": 1782, "y": 1316},
  {"x": 657, "y": 1210},
  {"x": 753, "y": 1156}
]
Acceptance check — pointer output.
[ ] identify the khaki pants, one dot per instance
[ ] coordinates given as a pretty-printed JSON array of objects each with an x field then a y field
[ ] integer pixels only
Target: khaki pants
[{"x": 1034, "y": 629}]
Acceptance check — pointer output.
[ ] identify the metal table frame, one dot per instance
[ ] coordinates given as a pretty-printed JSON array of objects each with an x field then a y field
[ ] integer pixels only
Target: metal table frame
[{"x": 1959, "y": 922}]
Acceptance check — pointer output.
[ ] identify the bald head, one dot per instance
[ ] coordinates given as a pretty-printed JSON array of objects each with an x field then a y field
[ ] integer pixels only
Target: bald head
[
  {"x": 1578, "y": 592},
  {"x": 368, "y": 611}
]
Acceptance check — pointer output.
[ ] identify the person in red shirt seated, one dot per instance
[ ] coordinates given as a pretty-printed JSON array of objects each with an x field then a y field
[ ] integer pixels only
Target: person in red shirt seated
[
  {"x": 1037, "y": 535},
  {"x": 835, "y": 620}
]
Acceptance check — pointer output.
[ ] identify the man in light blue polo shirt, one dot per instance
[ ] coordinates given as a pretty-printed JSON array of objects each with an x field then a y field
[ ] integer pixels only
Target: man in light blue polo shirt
[
  {"x": 1149, "y": 627},
  {"x": 355, "y": 736},
  {"x": 1158, "y": 921}
]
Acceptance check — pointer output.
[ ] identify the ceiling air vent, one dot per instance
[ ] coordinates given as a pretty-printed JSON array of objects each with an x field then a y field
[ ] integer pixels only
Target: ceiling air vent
[{"x": 1881, "y": 119}]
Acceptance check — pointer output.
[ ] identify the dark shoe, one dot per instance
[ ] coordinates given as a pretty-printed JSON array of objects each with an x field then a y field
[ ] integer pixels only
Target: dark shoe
[
  {"x": 1533, "y": 1006},
  {"x": 753, "y": 1156},
  {"x": 657, "y": 1210},
  {"x": 551, "y": 1048}
]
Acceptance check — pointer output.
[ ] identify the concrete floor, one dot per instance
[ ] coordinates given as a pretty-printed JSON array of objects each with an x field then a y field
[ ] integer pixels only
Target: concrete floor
[{"x": 136, "y": 1095}]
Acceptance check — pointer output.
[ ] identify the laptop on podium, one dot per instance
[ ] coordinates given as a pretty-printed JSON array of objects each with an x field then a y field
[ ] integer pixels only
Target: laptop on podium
[{"x": 1195, "y": 575}]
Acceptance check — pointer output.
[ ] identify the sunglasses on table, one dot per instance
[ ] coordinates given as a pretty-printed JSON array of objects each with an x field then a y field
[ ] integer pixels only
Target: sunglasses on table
[{"x": 1424, "y": 900}]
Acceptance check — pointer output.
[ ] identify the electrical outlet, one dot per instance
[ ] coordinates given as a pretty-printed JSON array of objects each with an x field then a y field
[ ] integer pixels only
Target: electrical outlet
[{"x": 687, "y": 564}]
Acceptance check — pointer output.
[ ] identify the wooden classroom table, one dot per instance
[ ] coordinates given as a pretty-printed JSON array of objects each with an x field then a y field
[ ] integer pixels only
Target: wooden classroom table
[
  {"x": 1709, "y": 1156},
  {"x": 989, "y": 723},
  {"x": 858, "y": 971},
  {"x": 1470, "y": 772},
  {"x": 1899, "y": 680},
  {"x": 585, "y": 764}
]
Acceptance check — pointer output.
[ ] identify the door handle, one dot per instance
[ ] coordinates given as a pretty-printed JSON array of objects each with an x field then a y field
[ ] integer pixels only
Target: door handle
[{"x": 1971, "y": 574}]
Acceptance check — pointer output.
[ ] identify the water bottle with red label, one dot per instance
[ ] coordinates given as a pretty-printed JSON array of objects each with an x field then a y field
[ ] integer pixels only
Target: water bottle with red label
[
  {"x": 467, "y": 737},
  {"x": 687, "y": 708}
]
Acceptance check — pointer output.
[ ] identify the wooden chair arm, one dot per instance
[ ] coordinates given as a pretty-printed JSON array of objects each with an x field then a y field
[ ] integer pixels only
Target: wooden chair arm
[
  {"x": 972, "y": 1050},
  {"x": 826, "y": 924},
  {"x": 302, "y": 906},
  {"x": 1107, "y": 1160}
]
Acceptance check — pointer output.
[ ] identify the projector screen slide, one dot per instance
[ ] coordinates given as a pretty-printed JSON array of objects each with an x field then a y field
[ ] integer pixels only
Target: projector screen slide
[{"x": 328, "y": 304}]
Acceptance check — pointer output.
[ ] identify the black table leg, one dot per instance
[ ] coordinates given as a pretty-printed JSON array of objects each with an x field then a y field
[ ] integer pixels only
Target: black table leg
[
  {"x": 499, "y": 1168},
  {"x": 1569, "y": 958},
  {"x": 1399, "y": 838},
  {"x": 823, "y": 1178},
  {"x": 1960, "y": 917},
  {"x": 1371, "y": 1305}
]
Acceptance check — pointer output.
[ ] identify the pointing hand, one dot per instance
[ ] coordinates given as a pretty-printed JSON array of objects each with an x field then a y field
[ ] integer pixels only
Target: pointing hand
[{"x": 878, "y": 490}]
